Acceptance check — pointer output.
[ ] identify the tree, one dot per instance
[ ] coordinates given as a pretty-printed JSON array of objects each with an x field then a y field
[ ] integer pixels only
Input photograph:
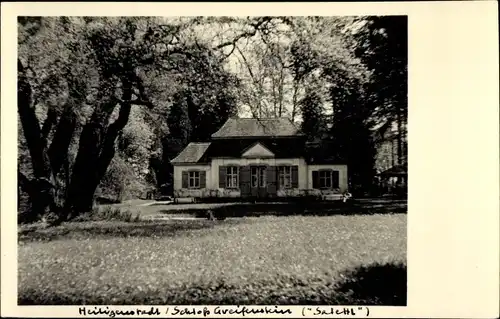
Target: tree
[
  {"x": 47, "y": 85},
  {"x": 83, "y": 81},
  {"x": 382, "y": 44},
  {"x": 351, "y": 130},
  {"x": 314, "y": 123},
  {"x": 94, "y": 65},
  {"x": 204, "y": 100},
  {"x": 128, "y": 173}
]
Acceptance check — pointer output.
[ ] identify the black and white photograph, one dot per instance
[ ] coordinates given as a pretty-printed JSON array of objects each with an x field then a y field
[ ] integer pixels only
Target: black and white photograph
[
  {"x": 250, "y": 159},
  {"x": 212, "y": 160}
]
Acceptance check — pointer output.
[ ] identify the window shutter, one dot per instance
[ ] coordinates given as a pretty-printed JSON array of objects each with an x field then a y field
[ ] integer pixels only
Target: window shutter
[
  {"x": 315, "y": 177},
  {"x": 335, "y": 179},
  {"x": 203, "y": 179},
  {"x": 271, "y": 180},
  {"x": 295, "y": 176},
  {"x": 222, "y": 176},
  {"x": 245, "y": 180},
  {"x": 185, "y": 179}
]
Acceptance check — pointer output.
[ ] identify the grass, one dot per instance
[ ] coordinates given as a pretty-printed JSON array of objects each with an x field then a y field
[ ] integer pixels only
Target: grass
[
  {"x": 106, "y": 229},
  {"x": 356, "y": 259}
]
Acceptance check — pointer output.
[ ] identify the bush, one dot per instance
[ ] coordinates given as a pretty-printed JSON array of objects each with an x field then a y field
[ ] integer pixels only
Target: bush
[{"x": 110, "y": 213}]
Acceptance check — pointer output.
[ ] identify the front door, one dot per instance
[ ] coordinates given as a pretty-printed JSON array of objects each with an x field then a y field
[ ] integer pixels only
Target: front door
[{"x": 258, "y": 181}]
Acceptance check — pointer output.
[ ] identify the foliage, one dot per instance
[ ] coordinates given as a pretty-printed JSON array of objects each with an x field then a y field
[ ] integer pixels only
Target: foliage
[
  {"x": 273, "y": 260},
  {"x": 87, "y": 87},
  {"x": 207, "y": 99},
  {"x": 382, "y": 45},
  {"x": 128, "y": 175},
  {"x": 110, "y": 213},
  {"x": 81, "y": 97},
  {"x": 314, "y": 123}
]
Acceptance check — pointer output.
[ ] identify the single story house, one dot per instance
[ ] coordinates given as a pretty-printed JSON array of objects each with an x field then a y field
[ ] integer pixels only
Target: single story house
[{"x": 256, "y": 158}]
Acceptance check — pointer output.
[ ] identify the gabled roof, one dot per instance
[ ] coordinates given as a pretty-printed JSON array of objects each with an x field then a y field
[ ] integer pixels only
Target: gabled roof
[
  {"x": 251, "y": 127},
  {"x": 257, "y": 150},
  {"x": 192, "y": 153}
]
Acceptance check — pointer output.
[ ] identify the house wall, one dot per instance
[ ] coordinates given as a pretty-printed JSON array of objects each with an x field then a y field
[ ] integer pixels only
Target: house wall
[
  {"x": 342, "y": 169},
  {"x": 300, "y": 162},
  {"x": 184, "y": 192},
  {"x": 212, "y": 177}
]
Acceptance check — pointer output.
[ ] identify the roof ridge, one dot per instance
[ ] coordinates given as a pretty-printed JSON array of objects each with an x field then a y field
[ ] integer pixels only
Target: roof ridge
[{"x": 251, "y": 126}]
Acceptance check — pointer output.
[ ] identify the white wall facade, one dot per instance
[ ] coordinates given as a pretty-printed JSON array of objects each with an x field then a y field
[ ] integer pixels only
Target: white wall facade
[
  {"x": 342, "y": 169},
  {"x": 184, "y": 192},
  {"x": 212, "y": 176},
  {"x": 300, "y": 162}
]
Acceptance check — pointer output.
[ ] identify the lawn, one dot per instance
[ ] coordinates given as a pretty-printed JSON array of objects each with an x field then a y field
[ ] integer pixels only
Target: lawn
[{"x": 358, "y": 259}]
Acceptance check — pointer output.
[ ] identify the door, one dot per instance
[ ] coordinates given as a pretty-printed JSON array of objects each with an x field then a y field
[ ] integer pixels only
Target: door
[{"x": 258, "y": 181}]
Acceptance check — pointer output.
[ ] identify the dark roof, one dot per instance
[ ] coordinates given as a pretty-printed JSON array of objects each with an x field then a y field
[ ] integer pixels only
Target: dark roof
[
  {"x": 281, "y": 147},
  {"x": 192, "y": 153},
  {"x": 251, "y": 127}
]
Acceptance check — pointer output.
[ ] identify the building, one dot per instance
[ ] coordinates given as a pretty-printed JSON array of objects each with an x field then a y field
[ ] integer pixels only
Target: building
[
  {"x": 391, "y": 167},
  {"x": 256, "y": 158}
]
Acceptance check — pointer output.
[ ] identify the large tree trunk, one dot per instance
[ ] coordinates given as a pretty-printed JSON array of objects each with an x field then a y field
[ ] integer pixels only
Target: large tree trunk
[
  {"x": 59, "y": 147},
  {"x": 31, "y": 126},
  {"x": 84, "y": 177},
  {"x": 96, "y": 150},
  {"x": 114, "y": 130},
  {"x": 41, "y": 187},
  {"x": 84, "y": 174}
]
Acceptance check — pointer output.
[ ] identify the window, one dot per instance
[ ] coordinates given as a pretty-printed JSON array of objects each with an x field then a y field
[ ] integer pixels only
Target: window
[
  {"x": 194, "y": 179},
  {"x": 328, "y": 179},
  {"x": 258, "y": 176},
  {"x": 232, "y": 177},
  {"x": 285, "y": 176},
  {"x": 325, "y": 179}
]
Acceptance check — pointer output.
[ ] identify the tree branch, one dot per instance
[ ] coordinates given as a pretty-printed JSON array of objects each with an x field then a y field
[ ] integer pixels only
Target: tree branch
[
  {"x": 31, "y": 125},
  {"x": 136, "y": 102},
  {"x": 143, "y": 98},
  {"x": 58, "y": 150},
  {"x": 48, "y": 123},
  {"x": 108, "y": 147},
  {"x": 229, "y": 54},
  {"x": 248, "y": 34}
]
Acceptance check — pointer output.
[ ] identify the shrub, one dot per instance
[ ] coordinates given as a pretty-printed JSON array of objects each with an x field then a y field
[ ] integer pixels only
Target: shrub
[{"x": 109, "y": 213}]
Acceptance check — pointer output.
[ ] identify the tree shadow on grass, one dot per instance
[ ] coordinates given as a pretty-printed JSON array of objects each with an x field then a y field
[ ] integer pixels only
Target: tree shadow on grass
[
  {"x": 366, "y": 285},
  {"x": 376, "y": 284},
  {"x": 111, "y": 229},
  {"x": 295, "y": 209}
]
